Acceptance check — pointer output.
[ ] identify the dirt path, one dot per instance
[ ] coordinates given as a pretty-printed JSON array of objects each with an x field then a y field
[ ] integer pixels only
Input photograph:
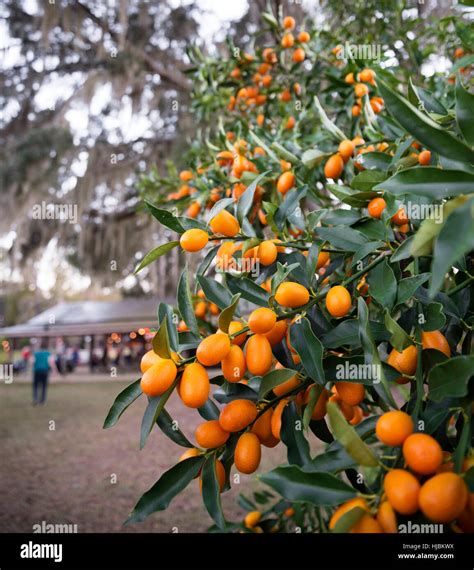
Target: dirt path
[{"x": 65, "y": 474}]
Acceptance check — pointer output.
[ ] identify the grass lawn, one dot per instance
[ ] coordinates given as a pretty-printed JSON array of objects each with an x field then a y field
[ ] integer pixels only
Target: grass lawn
[{"x": 64, "y": 475}]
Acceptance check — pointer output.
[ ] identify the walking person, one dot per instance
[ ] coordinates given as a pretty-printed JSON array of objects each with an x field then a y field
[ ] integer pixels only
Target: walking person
[{"x": 41, "y": 370}]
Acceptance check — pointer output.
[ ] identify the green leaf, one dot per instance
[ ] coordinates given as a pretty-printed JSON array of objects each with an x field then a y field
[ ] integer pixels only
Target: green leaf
[
  {"x": 309, "y": 349},
  {"x": 227, "y": 314},
  {"x": 450, "y": 378},
  {"x": 455, "y": 240},
  {"x": 166, "y": 488},
  {"x": 332, "y": 461},
  {"x": 273, "y": 379},
  {"x": 185, "y": 304},
  {"x": 155, "y": 253},
  {"x": 219, "y": 206},
  {"x": 375, "y": 161},
  {"x": 211, "y": 495},
  {"x": 215, "y": 292},
  {"x": 165, "y": 217},
  {"x": 367, "y": 179},
  {"x": 431, "y": 182},
  {"x": 246, "y": 200},
  {"x": 153, "y": 410},
  {"x": 206, "y": 262},
  {"x": 326, "y": 122},
  {"x": 209, "y": 411},
  {"x": 463, "y": 443},
  {"x": 289, "y": 205},
  {"x": 348, "y": 520},
  {"x": 399, "y": 338},
  {"x": 249, "y": 290},
  {"x": 350, "y": 196},
  {"x": 121, "y": 403},
  {"x": 343, "y": 237},
  {"x": 435, "y": 319},
  {"x": 230, "y": 391},
  {"x": 166, "y": 312},
  {"x": 347, "y": 436},
  {"x": 293, "y": 437},
  {"x": 408, "y": 286},
  {"x": 320, "y": 489},
  {"x": 314, "y": 157},
  {"x": 465, "y": 112},
  {"x": 314, "y": 393},
  {"x": 160, "y": 341},
  {"x": 383, "y": 284},
  {"x": 424, "y": 129},
  {"x": 170, "y": 429},
  {"x": 403, "y": 250},
  {"x": 346, "y": 333}
]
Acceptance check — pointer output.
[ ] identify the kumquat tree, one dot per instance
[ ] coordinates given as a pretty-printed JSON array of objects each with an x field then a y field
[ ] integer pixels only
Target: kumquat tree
[{"x": 326, "y": 211}]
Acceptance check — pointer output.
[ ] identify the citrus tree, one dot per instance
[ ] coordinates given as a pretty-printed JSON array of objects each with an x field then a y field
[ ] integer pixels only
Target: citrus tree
[{"x": 331, "y": 202}]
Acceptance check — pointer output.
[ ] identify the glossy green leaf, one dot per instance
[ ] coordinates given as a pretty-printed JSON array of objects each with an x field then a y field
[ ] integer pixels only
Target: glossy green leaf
[
  {"x": 166, "y": 488},
  {"x": 249, "y": 290},
  {"x": 215, "y": 292},
  {"x": 347, "y": 436},
  {"x": 292, "y": 435},
  {"x": 166, "y": 312},
  {"x": 320, "y": 489},
  {"x": 435, "y": 319},
  {"x": 348, "y": 520},
  {"x": 465, "y": 112},
  {"x": 342, "y": 237},
  {"x": 227, "y": 314},
  {"x": 273, "y": 379},
  {"x": 450, "y": 378},
  {"x": 211, "y": 494},
  {"x": 185, "y": 304},
  {"x": 408, "y": 286},
  {"x": 246, "y": 200},
  {"x": 165, "y": 217},
  {"x": 399, "y": 338},
  {"x": 309, "y": 349},
  {"x": 160, "y": 341},
  {"x": 383, "y": 284},
  {"x": 121, "y": 403},
  {"x": 170, "y": 428},
  {"x": 153, "y": 410},
  {"x": 155, "y": 253}
]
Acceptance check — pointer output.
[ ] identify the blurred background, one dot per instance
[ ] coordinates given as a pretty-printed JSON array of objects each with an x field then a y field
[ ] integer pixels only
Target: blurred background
[{"x": 94, "y": 95}]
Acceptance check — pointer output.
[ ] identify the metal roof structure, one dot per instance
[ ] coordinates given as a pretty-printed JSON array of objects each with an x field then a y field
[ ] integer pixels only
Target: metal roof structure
[{"x": 88, "y": 318}]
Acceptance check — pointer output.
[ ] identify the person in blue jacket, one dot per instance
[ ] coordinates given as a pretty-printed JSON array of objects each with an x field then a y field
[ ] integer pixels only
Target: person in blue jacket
[{"x": 41, "y": 370}]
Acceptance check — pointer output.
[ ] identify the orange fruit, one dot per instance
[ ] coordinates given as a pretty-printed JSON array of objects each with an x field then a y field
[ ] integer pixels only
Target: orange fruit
[
  {"x": 304, "y": 37},
  {"x": 210, "y": 434},
  {"x": 422, "y": 453},
  {"x": 338, "y": 301},
  {"x": 400, "y": 218},
  {"x": 285, "y": 182},
  {"x": 291, "y": 295},
  {"x": 276, "y": 418},
  {"x": 289, "y": 23},
  {"x": 267, "y": 252},
  {"x": 235, "y": 327},
  {"x": 392, "y": 428},
  {"x": 158, "y": 378},
  {"x": 358, "y": 415},
  {"x": 402, "y": 490},
  {"x": 323, "y": 258},
  {"x": 290, "y": 384},
  {"x": 237, "y": 415},
  {"x": 443, "y": 497},
  {"x": 376, "y": 106},
  {"x": 277, "y": 333},
  {"x": 233, "y": 365},
  {"x": 334, "y": 167},
  {"x": 387, "y": 518},
  {"x": 213, "y": 349},
  {"x": 345, "y": 508},
  {"x": 424, "y": 157},
  {"x": 285, "y": 96},
  {"x": 247, "y": 453},
  {"x": 194, "y": 240},
  {"x": 299, "y": 55},
  {"x": 437, "y": 341},
  {"x": 367, "y": 75},
  {"x": 360, "y": 89},
  {"x": 252, "y": 519},
  {"x": 148, "y": 360},
  {"x": 290, "y": 123},
  {"x": 185, "y": 175},
  {"x": 287, "y": 41},
  {"x": 225, "y": 223},
  {"x": 200, "y": 309},
  {"x": 366, "y": 524},
  {"x": 376, "y": 207},
  {"x": 258, "y": 355},
  {"x": 262, "y": 320},
  {"x": 351, "y": 393},
  {"x": 262, "y": 428},
  {"x": 405, "y": 362},
  {"x": 356, "y": 110},
  {"x": 346, "y": 149},
  {"x": 358, "y": 140},
  {"x": 349, "y": 78},
  {"x": 194, "y": 385}
]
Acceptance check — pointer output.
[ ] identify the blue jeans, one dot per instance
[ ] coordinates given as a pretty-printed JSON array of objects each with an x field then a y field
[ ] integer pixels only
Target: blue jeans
[{"x": 40, "y": 383}]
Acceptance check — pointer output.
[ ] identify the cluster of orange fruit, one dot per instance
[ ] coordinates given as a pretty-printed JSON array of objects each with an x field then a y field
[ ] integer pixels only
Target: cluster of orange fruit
[
  {"x": 361, "y": 81},
  {"x": 426, "y": 483}
]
